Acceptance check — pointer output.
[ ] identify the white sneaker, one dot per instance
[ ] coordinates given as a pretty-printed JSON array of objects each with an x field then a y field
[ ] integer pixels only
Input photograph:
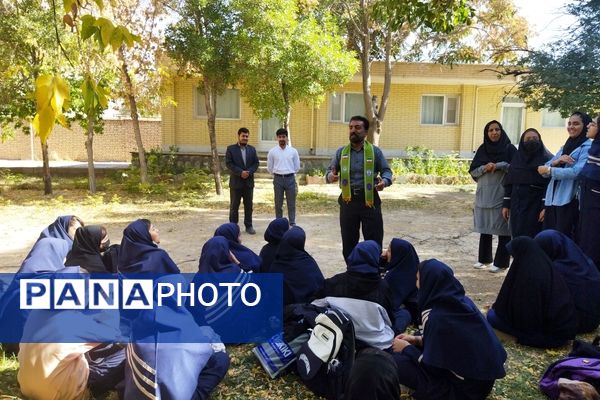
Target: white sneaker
[
  {"x": 480, "y": 265},
  {"x": 494, "y": 270}
]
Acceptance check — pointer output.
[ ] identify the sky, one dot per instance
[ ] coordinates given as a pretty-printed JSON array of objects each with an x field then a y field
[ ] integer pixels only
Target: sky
[{"x": 546, "y": 18}]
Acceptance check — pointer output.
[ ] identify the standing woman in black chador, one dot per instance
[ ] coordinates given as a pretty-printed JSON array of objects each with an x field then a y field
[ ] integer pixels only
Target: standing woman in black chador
[
  {"x": 524, "y": 188},
  {"x": 589, "y": 198},
  {"x": 562, "y": 205},
  {"x": 488, "y": 169}
]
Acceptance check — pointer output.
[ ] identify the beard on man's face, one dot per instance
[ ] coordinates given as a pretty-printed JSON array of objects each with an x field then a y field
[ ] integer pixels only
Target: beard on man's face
[{"x": 355, "y": 138}]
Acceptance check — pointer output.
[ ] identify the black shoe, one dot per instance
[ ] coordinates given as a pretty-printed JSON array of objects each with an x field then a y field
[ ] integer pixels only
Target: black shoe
[{"x": 250, "y": 230}]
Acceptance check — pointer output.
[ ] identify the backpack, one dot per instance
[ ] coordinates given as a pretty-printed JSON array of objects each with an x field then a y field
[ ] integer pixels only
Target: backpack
[
  {"x": 325, "y": 360},
  {"x": 573, "y": 368},
  {"x": 582, "y": 364}
]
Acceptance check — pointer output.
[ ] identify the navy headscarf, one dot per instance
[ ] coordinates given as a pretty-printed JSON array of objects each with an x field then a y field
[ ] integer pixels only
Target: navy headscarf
[
  {"x": 364, "y": 258},
  {"x": 214, "y": 257},
  {"x": 456, "y": 336},
  {"x": 578, "y": 270},
  {"x": 58, "y": 229},
  {"x": 247, "y": 258},
  {"x": 301, "y": 274},
  {"x": 534, "y": 297},
  {"x": 402, "y": 271},
  {"x": 47, "y": 256},
  {"x": 86, "y": 249},
  {"x": 275, "y": 231},
  {"x": 523, "y": 167},
  {"x": 591, "y": 169},
  {"x": 495, "y": 152},
  {"x": 139, "y": 253}
]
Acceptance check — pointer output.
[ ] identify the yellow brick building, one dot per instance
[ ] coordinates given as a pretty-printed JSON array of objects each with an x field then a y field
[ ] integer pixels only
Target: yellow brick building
[{"x": 436, "y": 106}]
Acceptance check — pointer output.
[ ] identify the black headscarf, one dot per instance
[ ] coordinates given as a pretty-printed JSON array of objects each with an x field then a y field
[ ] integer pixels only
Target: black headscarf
[
  {"x": 534, "y": 297},
  {"x": 573, "y": 143},
  {"x": 86, "y": 249},
  {"x": 523, "y": 167},
  {"x": 374, "y": 376},
  {"x": 495, "y": 152},
  {"x": 456, "y": 336}
]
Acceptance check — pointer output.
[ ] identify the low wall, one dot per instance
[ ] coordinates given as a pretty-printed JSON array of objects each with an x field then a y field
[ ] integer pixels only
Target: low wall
[{"x": 115, "y": 144}]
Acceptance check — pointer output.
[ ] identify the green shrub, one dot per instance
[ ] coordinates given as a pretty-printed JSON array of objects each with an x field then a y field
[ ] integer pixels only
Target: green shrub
[
  {"x": 315, "y": 171},
  {"x": 421, "y": 166}
]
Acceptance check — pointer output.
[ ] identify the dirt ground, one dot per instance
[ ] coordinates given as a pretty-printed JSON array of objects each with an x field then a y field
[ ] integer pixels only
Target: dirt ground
[{"x": 436, "y": 219}]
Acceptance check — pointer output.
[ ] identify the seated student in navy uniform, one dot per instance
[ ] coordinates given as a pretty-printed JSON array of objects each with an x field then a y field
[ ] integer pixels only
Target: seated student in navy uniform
[{"x": 459, "y": 356}]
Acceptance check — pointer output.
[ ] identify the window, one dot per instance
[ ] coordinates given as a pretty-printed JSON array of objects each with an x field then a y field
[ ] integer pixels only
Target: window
[
  {"x": 552, "y": 119},
  {"x": 228, "y": 104},
  {"x": 513, "y": 113},
  {"x": 343, "y": 106},
  {"x": 268, "y": 127},
  {"x": 439, "y": 110}
]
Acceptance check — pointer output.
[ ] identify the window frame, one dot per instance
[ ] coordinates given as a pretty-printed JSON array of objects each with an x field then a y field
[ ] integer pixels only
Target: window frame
[
  {"x": 197, "y": 94},
  {"x": 545, "y": 110},
  {"x": 444, "y": 110},
  {"x": 343, "y": 106}
]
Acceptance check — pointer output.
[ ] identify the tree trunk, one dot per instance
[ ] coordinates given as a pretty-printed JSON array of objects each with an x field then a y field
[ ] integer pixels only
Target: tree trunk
[
  {"x": 46, "y": 169},
  {"x": 288, "y": 110},
  {"x": 210, "y": 98},
  {"x": 134, "y": 117},
  {"x": 379, "y": 111},
  {"x": 89, "y": 142},
  {"x": 365, "y": 68}
]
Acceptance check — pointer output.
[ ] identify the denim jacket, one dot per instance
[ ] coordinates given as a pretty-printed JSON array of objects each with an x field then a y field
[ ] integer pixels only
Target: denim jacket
[{"x": 564, "y": 185}]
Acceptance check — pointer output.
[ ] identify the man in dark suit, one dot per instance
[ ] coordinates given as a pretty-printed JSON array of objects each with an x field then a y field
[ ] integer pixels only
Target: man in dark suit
[{"x": 242, "y": 162}]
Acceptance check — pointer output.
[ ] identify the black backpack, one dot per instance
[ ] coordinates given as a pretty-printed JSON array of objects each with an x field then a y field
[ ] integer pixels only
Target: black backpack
[{"x": 325, "y": 361}]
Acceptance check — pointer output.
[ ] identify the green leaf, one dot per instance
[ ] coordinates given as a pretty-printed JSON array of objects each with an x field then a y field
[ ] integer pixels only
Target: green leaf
[
  {"x": 117, "y": 38},
  {"x": 88, "y": 27},
  {"x": 68, "y": 4},
  {"x": 100, "y": 4},
  {"x": 106, "y": 30}
]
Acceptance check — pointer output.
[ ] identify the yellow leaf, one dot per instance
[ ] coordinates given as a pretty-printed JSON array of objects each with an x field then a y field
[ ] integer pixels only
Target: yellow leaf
[
  {"x": 62, "y": 120},
  {"x": 43, "y": 91},
  {"x": 61, "y": 94},
  {"x": 43, "y": 123}
]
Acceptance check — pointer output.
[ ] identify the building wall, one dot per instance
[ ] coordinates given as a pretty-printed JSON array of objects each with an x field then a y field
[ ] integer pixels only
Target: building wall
[
  {"x": 313, "y": 132},
  {"x": 115, "y": 144}
]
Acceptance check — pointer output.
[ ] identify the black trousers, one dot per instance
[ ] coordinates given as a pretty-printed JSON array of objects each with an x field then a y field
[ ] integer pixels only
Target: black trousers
[
  {"x": 354, "y": 214},
  {"x": 502, "y": 257},
  {"x": 235, "y": 197},
  {"x": 563, "y": 218}
]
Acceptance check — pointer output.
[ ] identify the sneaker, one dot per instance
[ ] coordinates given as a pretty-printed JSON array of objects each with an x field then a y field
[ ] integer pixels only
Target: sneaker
[
  {"x": 250, "y": 230},
  {"x": 480, "y": 266},
  {"x": 494, "y": 270}
]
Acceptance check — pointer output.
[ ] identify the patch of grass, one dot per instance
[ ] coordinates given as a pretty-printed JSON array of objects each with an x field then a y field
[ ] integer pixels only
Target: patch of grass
[{"x": 9, "y": 388}]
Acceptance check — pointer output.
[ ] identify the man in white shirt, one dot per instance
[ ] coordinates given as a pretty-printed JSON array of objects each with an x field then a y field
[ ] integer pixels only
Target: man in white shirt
[{"x": 283, "y": 162}]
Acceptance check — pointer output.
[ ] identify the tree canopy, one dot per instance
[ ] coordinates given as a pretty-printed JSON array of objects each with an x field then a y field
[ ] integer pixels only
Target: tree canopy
[
  {"x": 565, "y": 75},
  {"x": 292, "y": 54}
]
